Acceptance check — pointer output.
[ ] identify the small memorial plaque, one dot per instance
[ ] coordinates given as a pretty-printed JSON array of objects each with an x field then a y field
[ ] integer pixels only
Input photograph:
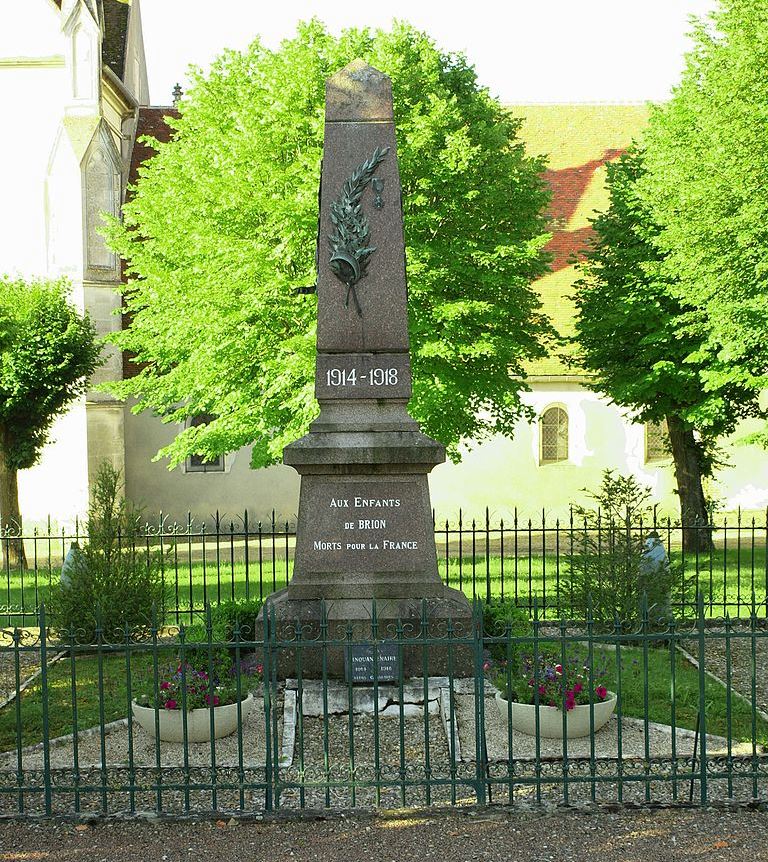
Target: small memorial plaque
[{"x": 359, "y": 662}]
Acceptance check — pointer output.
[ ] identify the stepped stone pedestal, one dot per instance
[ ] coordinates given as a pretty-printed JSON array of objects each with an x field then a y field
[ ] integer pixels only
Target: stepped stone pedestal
[{"x": 364, "y": 537}]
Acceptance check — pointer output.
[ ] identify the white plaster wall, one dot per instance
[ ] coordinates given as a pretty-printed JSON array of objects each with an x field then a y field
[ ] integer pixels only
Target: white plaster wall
[
  {"x": 150, "y": 484},
  {"x": 506, "y": 475},
  {"x": 58, "y": 485}
]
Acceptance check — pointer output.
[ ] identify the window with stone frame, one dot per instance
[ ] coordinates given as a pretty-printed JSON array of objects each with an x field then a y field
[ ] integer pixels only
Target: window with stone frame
[
  {"x": 656, "y": 441},
  {"x": 553, "y": 436},
  {"x": 199, "y": 463}
]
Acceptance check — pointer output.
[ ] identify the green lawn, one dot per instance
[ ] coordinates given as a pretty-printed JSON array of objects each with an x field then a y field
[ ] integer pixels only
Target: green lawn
[
  {"x": 112, "y": 688},
  {"x": 727, "y": 579}
]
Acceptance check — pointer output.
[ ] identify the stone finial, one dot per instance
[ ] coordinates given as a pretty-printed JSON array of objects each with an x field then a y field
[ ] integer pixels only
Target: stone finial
[
  {"x": 358, "y": 92},
  {"x": 177, "y": 94}
]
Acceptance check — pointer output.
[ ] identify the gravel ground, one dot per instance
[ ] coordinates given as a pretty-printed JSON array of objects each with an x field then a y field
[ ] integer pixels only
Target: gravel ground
[
  {"x": 715, "y": 660},
  {"x": 491, "y": 835},
  {"x": 408, "y": 757},
  {"x": 29, "y": 661}
]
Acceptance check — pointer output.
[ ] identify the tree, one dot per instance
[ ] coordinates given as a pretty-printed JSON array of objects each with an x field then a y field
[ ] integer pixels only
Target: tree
[
  {"x": 639, "y": 340},
  {"x": 221, "y": 231},
  {"x": 47, "y": 353},
  {"x": 707, "y": 160}
]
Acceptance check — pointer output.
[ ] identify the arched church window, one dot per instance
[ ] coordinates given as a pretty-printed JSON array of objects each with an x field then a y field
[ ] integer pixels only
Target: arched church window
[{"x": 553, "y": 436}]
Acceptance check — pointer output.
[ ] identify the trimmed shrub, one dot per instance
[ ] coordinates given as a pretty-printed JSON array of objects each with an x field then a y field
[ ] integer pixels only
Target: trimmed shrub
[{"x": 110, "y": 583}]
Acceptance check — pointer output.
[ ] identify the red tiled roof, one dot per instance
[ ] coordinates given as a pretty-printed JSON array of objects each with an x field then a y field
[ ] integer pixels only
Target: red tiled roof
[
  {"x": 151, "y": 122},
  {"x": 568, "y": 187}
]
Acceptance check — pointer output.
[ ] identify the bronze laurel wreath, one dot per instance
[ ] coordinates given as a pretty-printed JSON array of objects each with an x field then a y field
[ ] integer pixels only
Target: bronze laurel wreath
[{"x": 349, "y": 242}]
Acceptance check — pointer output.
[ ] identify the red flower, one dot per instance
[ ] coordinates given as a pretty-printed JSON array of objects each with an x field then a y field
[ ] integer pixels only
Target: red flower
[
  {"x": 542, "y": 690},
  {"x": 558, "y": 669},
  {"x": 601, "y": 691},
  {"x": 171, "y": 704},
  {"x": 165, "y": 684},
  {"x": 577, "y": 688}
]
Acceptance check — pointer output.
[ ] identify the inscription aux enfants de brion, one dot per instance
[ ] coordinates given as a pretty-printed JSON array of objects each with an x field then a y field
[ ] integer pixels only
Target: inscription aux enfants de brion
[{"x": 368, "y": 524}]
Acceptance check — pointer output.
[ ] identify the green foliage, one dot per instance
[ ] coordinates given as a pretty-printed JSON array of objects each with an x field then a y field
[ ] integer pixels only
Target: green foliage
[
  {"x": 707, "y": 161},
  {"x": 605, "y": 577},
  {"x": 111, "y": 584},
  {"x": 222, "y": 228},
  {"x": 236, "y": 616},
  {"x": 502, "y": 616},
  {"x": 47, "y": 353},
  {"x": 637, "y": 335}
]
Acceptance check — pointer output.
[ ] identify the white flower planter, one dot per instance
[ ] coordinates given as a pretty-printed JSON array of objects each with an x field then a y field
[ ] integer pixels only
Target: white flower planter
[
  {"x": 198, "y": 721},
  {"x": 551, "y": 717}
]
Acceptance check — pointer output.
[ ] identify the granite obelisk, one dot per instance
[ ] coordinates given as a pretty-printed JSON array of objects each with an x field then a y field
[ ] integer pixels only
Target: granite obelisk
[{"x": 365, "y": 527}]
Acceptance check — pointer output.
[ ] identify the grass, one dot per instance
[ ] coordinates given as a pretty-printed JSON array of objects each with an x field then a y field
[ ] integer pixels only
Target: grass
[
  {"x": 105, "y": 697},
  {"x": 99, "y": 696},
  {"x": 728, "y": 579}
]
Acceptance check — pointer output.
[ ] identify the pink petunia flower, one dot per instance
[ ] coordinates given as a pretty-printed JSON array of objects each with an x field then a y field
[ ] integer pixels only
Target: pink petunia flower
[
  {"x": 577, "y": 688},
  {"x": 559, "y": 669},
  {"x": 542, "y": 690},
  {"x": 165, "y": 684},
  {"x": 601, "y": 691},
  {"x": 171, "y": 704}
]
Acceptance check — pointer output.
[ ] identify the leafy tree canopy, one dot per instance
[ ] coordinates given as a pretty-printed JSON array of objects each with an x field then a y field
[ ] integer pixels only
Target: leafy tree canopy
[
  {"x": 221, "y": 230},
  {"x": 707, "y": 160},
  {"x": 640, "y": 340},
  {"x": 47, "y": 353}
]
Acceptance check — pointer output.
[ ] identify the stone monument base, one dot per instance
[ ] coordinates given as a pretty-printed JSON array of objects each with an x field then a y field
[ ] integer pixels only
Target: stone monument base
[{"x": 425, "y": 627}]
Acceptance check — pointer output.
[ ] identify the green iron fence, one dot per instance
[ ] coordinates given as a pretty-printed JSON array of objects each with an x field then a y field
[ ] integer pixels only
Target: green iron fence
[
  {"x": 423, "y": 726},
  {"x": 488, "y": 557}
]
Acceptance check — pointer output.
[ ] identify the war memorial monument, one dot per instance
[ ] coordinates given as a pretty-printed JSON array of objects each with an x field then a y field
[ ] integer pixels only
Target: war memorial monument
[{"x": 365, "y": 533}]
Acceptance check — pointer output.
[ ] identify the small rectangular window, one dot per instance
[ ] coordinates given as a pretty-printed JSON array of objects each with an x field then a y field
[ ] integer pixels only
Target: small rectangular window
[
  {"x": 656, "y": 442},
  {"x": 199, "y": 463}
]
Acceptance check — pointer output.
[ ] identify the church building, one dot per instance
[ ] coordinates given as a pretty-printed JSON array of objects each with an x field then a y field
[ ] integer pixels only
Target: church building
[{"x": 75, "y": 102}]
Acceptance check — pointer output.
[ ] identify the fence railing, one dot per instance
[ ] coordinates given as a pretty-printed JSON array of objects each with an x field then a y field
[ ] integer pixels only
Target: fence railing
[
  {"x": 518, "y": 558},
  {"x": 424, "y": 724}
]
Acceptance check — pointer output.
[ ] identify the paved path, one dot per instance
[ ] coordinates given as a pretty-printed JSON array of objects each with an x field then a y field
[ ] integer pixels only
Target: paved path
[{"x": 491, "y": 836}]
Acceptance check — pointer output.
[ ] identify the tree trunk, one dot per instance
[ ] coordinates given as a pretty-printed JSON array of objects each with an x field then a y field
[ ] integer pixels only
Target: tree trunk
[
  {"x": 697, "y": 532},
  {"x": 10, "y": 517}
]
